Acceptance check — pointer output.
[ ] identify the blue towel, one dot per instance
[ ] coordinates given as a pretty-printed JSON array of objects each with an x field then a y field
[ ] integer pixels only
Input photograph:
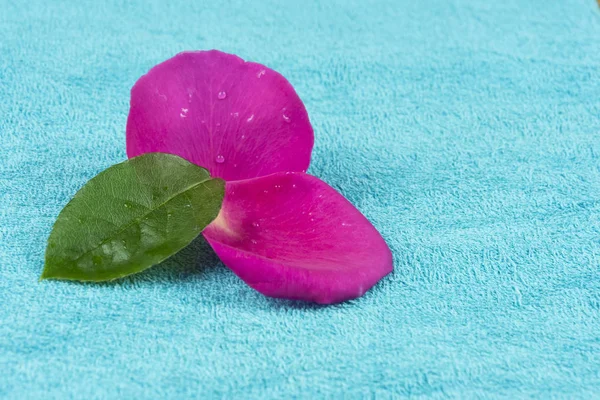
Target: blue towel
[{"x": 467, "y": 131}]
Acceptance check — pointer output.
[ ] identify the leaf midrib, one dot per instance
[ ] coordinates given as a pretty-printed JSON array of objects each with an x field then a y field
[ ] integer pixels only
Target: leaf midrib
[{"x": 140, "y": 218}]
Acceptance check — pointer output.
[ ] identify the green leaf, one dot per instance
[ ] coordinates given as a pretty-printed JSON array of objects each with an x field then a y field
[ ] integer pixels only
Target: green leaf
[{"x": 131, "y": 216}]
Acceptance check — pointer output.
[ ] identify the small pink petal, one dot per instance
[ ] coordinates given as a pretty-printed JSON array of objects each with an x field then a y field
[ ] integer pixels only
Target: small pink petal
[
  {"x": 291, "y": 235},
  {"x": 220, "y": 112}
]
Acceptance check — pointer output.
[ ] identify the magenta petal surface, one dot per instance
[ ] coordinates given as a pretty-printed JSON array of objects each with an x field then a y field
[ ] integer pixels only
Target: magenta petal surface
[
  {"x": 290, "y": 235},
  {"x": 237, "y": 119}
]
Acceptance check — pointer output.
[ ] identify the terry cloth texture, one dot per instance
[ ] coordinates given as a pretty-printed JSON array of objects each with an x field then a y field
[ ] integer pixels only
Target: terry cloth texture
[{"x": 468, "y": 131}]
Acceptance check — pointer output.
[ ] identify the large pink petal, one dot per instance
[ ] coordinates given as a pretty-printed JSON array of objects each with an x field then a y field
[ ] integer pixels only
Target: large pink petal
[
  {"x": 237, "y": 119},
  {"x": 291, "y": 235}
]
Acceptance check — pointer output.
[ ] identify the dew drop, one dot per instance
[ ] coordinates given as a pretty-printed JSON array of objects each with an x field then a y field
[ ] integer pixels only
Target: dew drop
[
  {"x": 243, "y": 136},
  {"x": 127, "y": 205},
  {"x": 265, "y": 191},
  {"x": 219, "y": 159},
  {"x": 234, "y": 165},
  {"x": 255, "y": 224},
  {"x": 312, "y": 220},
  {"x": 277, "y": 186},
  {"x": 261, "y": 73},
  {"x": 309, "y": 213},
  {"x": 221, "y": 95},
  {"x": 183, "y": 112},
  {"x": 250, "y": 118},
  {"x": 235, "y": 115},
  {"x": 253, "y": 241},
  {"x": 294, "y": 185},
  {"x": 285, "y": 118}
]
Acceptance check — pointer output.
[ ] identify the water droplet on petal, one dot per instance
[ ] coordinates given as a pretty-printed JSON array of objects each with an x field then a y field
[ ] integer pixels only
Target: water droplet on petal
[
  {"x": 221, "y": 95},
  {"x": 255, "y": 224},
  {"x": 234, "y": 165},
  {"x": 253, "y": 241},
  {"x": 277, "y": 186},
  {"x": 183, "y": 112},
  {"x": 250, "y": 118},
  {"x": 312, "y": 220},
  {"x": 235, "y": 115},
  {"x": 261, "y": 73},
  {"x": 294, "y": 185},
  {"x": 243, "y": 136},
  {"x": 265, "y": 191},
  {"x": 220, "y": 159},
  {"x": 286, "y": 118}
]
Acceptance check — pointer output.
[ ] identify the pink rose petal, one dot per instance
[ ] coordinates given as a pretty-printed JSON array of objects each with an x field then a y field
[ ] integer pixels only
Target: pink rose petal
[
  {"x": 237, "y": 119},
  {"x": 291, "y": 235}
]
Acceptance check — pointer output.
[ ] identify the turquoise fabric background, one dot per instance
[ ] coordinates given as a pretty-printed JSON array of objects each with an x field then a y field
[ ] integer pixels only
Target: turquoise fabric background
[{"x": 468, "y": 131}]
